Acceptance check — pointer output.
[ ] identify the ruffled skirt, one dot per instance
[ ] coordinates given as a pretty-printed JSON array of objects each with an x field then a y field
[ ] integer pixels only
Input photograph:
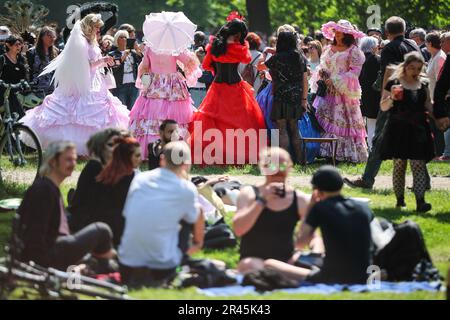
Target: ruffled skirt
[
  {"x": 76, "y": 118},
  {"x": 166, "y": 97},
  {"x": 341, "y": 118},
  {"x": 229, "y": 127}
]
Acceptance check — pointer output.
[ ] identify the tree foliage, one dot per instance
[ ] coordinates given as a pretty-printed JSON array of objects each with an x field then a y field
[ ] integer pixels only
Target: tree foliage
[{"x": 308, "y": 15}]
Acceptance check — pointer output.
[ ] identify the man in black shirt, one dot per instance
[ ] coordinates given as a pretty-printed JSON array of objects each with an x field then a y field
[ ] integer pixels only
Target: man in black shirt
[
  {"x": 345, "y": 228},
  {"x": 168, "y": 131},
  {"x": 393, "y": 53}
]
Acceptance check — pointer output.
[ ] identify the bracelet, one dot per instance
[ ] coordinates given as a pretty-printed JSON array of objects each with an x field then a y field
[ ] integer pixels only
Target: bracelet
[{"x": 262, "y": 201}]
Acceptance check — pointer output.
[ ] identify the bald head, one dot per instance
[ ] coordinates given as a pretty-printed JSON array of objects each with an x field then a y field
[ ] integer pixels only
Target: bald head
[{"x": 176, "y": 154}]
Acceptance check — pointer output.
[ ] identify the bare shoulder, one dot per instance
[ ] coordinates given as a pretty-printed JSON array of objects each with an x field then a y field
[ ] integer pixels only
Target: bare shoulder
[
  {"x": 246, "y": 195},
  {"x": 302, "y": 199}
]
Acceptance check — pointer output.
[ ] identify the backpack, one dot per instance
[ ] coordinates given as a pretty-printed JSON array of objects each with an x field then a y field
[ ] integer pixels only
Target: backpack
[
  {"x": 219, "y": 236},
  {"x": 268, "y": 280},
  {"x": 205, "y": 274},
  {"x": 249, "y": 74},
  {"x": 403, "y": 253}
]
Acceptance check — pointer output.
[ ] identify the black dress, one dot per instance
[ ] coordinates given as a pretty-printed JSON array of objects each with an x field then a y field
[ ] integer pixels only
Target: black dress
[
  {"x": 286, "y": 70},
  {"x": 407, "y": 133}
]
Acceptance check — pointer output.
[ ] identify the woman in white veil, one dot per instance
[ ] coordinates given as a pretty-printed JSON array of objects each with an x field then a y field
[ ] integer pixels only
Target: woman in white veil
[{"x": 81, "y": 103}]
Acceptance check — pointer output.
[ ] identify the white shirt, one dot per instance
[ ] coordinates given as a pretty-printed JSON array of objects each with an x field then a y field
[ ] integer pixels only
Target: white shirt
[
  {"x": 156, "y": 203},
  {"x": 434, "y": 68},
  {"x": 128, "y": 75}
]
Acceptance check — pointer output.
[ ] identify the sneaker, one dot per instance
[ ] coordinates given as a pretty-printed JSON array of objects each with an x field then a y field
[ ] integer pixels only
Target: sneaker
[
  {"x": 423, "y": 207},
  {"x": 358, "y": 183},
  {"x": 443, "y": 158}
]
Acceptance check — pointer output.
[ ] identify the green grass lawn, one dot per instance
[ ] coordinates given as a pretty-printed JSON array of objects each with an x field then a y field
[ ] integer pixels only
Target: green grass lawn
[{"x": 435, "y": 226}]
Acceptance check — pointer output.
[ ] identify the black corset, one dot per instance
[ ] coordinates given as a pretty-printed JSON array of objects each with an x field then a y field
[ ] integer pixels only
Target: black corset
[{"x": 227, "y": 73}]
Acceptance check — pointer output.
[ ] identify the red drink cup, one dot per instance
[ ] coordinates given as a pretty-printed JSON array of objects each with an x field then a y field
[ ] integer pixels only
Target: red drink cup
[{"x": 397, "y": 92}]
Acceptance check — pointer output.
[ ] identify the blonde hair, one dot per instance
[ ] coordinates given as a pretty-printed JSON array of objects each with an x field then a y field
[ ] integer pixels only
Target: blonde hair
[
  {"x": 120, "y": 33},
  {"x": 399, "y": 71},
  {"x": 54, "y": 150},
  {"x": 88, "y": 24},
  {"x": 271, "y": 154},
  {"x": 285, "y": 28}
]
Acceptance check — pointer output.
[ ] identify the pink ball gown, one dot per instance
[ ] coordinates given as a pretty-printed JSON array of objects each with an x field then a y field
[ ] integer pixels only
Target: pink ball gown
[
  {"x": 166, "y": 96},
  {"x": 76, "y": 116},
  {"x": 339, "y": 114}
]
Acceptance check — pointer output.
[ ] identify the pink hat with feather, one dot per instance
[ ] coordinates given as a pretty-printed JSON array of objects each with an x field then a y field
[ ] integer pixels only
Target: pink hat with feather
[{"x": 329, "y": 29}]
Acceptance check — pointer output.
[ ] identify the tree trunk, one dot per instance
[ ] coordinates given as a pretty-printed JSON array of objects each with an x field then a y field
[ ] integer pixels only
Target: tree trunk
[{"x": 258, "y": 16}]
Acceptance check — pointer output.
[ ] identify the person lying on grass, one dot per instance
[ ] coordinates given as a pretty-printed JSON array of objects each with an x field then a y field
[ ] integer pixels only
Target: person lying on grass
[{"x": 268, "y": 214}]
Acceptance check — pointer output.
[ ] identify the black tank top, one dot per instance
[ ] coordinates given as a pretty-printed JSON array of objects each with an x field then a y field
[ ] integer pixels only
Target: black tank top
[{"x": 272, "y": 235}]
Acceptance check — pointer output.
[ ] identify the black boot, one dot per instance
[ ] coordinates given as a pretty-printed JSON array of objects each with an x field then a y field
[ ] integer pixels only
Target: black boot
[
  {"x": 422, "y": 206},
  {"x": 400, "y": 202}
]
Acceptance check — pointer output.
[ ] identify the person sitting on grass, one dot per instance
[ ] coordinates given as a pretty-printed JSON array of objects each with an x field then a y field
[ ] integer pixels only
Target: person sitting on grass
[
  {"x": 43, "y": 226},
  {"x": 268, "y": 214},
  {"x": 82, "y": 202},
  {"x": 345, "y": 228},
  {"x": 159, "y": 202},
  {"x": 167, "y": 132},
  {"x": 115, "y": 180}
]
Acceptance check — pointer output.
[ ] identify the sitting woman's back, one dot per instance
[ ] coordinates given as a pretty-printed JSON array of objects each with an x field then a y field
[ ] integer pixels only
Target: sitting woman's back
[{"x": 115, "y": 180}]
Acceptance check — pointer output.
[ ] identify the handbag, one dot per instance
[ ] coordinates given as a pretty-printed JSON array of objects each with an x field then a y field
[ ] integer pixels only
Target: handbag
[
  {"x": 109, "y": 79},
  {"x": 145, "y": 80},
  {"x": 378, "y": 82}
]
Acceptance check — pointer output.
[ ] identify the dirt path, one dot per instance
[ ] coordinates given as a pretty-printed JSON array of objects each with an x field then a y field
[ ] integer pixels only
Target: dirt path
[{"x": 382, "y": 182}]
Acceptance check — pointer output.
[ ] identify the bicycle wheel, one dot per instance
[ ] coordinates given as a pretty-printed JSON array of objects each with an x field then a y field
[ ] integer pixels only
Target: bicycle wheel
[{"x": 20, "y": 159}]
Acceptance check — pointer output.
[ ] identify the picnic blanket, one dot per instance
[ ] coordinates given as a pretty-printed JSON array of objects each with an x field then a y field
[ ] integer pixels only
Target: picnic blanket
[{"x": 310, "y": 288}]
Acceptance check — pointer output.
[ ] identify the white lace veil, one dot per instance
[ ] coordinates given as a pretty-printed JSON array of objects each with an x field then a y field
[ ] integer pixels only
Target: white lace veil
[{"x": 72, "y": 71}]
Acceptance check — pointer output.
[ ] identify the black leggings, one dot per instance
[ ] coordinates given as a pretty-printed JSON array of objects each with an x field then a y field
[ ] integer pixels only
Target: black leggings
[
  {"x": 420, "y": 181},
  {"x": 69, "y": 250},
  {"x": 294, "y": 138}
]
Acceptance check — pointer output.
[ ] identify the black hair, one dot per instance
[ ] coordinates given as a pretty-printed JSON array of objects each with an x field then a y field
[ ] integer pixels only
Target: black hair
[
  {"x": 199, "y": 38},
  {"x": 348, "y": 40},
  {"x": 307, "y": 39},
  {"x": 287, "y": 41},
  {"x": 164, "y": 124},
  {"x": 12, "y": 39},
  {"x": 235, "y": 26},
  {"x": 318, "y": 35}
]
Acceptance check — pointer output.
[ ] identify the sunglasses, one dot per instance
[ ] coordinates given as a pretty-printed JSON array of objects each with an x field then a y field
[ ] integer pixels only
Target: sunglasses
[{"x": 273, "y": 167}]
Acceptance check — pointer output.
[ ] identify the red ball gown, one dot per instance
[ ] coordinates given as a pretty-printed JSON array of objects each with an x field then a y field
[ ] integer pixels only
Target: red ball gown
[{"x": 228, "y": 127}]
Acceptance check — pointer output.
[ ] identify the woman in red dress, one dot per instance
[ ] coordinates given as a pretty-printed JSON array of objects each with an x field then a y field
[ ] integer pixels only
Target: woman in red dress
[{"x": 228, "y": 127}]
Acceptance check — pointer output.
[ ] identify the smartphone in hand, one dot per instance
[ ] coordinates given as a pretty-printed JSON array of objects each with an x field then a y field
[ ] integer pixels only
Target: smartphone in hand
[{"x": 130, "y": 43}]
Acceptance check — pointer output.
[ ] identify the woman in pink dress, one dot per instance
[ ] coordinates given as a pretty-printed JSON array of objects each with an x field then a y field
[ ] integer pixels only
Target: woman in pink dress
[
  {"x": 338, "y": 111},
  {"x": 81, "y": 104},
  {"x": 164, "y": 96}
]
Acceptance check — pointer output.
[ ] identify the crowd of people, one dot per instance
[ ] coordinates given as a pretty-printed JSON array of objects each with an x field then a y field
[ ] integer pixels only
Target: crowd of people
[{"x": 114, "y": 102}]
